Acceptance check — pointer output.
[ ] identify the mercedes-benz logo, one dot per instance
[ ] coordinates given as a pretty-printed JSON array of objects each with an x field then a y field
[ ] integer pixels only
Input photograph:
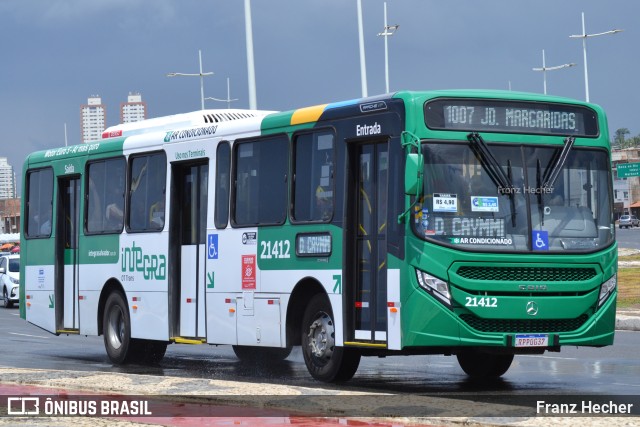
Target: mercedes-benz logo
[{"x": 532, "y": 308}]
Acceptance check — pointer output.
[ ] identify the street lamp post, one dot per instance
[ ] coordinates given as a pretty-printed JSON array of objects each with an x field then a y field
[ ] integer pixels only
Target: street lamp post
[
  {"x": 228, "y": 100},
  {"x": 584, "y": 36},
  {"x": 363, "y": 62},
  {"x": 200, "y": 74},
  {"x": 544, "y": 70},
  {"x": 251, "y": 68},
  {"x": 387, "y": 31}
]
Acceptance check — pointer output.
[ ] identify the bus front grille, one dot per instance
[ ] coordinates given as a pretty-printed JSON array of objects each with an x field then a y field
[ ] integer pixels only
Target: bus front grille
[
  {"x": 527, "y": 274},
  {"x": 523, "y": 325}
]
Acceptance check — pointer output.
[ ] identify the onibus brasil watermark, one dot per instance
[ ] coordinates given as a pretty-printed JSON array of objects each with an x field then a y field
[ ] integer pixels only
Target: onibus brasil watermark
[{"x": 83, "y": 405}]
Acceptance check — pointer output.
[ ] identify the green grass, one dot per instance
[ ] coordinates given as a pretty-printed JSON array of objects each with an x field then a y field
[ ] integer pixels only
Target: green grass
[{"x": 630, "y": 258}]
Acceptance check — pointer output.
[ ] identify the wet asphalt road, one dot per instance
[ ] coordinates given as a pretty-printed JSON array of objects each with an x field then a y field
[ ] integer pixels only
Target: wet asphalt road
[
  {"x": 628, "y": 237},
  {"x": 609, "y": 370}
]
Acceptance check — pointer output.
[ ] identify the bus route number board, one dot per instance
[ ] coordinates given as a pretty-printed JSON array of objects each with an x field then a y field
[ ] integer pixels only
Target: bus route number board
[{"x": 532, "y": 340}]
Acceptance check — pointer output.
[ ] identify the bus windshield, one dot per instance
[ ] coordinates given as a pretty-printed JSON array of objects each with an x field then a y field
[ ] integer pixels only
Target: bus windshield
[{"x": 464, "y": 205}]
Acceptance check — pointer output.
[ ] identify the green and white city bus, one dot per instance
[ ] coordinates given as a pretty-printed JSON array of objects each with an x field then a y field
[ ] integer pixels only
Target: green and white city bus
[{"x": 469, "y": 223}]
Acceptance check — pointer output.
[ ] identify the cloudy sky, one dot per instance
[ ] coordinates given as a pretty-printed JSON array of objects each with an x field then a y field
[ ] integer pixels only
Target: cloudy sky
[{"x": 54, "y": 54}]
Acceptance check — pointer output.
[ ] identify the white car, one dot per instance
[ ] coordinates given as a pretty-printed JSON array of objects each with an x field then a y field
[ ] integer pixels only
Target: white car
[{"x": 10, "y": 279}]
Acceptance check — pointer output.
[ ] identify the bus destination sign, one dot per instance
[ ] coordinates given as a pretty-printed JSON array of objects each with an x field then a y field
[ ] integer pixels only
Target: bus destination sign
[{"x": 511, "y": 117}]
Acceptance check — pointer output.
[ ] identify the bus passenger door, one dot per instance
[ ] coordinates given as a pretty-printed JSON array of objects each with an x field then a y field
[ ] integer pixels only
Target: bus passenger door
[
  {"x": 366, "y": 262},
  {"x": 67, "y": 269},
  {"x": 188, "y": 237}
]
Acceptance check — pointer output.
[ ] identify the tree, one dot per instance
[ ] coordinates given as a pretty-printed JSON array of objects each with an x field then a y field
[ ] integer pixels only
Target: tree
[
  {"x": 619, "y": 137},
  {"x": 634, "y": 141}
]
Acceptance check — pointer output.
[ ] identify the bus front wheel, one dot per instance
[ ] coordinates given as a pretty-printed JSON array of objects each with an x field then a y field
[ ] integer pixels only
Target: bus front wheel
[
  {"x": 116, "y": 329},
  {"x": 479, "y": 365},
  {"x": 325, "y": 361}
]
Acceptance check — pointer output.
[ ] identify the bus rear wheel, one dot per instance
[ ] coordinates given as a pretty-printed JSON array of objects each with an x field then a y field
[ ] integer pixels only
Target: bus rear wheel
[
  {"x": 116, "y": 329},
  {"x": 325, "y": 361},
  {"x": 479, "y": 365}
]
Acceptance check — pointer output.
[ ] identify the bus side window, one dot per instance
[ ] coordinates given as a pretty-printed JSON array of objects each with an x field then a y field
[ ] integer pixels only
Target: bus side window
[
  {"x": 223, "y": 176},
  {"x": 313, "y": 186},
  {"x": 260, "y": 193},
  {"x": 39, "y": 203},
  {"x": 105, "y": 196},
  {"x": 147, "y": 192}
]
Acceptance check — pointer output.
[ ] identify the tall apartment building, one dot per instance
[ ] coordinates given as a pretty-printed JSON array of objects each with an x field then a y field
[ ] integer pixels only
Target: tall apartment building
[
  {"x": 7, "y": 180},
  {"x": 9, "y": 203},
  {"x": 134, "y": 109},
  {"x": 93, "y": 119}
]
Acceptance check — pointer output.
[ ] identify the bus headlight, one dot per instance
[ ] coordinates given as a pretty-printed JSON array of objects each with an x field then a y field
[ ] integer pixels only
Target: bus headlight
[
  {"x": 607, "y": 289},
  {"x": 433, "y": 285}
]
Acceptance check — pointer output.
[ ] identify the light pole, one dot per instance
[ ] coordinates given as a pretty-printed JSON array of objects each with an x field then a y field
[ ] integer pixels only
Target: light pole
[
  {"x": 363, "y": 62},
  {"x": 228, "y": 100},
  {"x": 544, "y": 70},
  {"x": 200, "y": 74},
  {"x": 387, "y": 31},
  {"x": 584, "y": 36},
  {"x": 251, "y": 68}
]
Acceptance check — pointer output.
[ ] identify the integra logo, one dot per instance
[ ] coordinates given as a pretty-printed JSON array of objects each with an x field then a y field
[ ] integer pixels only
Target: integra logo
[
  {"x": 151, "y": 266},
  {"x": 374, "y": 129}
]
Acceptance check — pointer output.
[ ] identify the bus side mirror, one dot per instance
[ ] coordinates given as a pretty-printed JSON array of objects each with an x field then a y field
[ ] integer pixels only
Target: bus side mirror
[{"x": 413, "y": 174}]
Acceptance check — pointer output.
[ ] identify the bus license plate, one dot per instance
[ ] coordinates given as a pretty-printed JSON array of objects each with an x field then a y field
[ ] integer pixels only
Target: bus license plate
[{"x": 532, "y": 340}]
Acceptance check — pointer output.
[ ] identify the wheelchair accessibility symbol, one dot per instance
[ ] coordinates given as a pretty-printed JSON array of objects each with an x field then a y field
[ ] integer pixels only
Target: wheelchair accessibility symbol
[
  {"x": 540, "y": 240},
  {"x": 212, "y": 246}
]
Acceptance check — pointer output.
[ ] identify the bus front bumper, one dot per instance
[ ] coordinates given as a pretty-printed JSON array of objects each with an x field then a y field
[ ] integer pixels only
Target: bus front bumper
[{"x": 435, "y": 325}]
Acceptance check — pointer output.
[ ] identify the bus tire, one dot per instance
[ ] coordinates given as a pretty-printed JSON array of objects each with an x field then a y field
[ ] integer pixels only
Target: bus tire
[
  {"x": 266, "y": 354},
  {"x": 325, "y": 361},
  {"x": 479, "y": 365},
  {"x": 116, "y": 329}
]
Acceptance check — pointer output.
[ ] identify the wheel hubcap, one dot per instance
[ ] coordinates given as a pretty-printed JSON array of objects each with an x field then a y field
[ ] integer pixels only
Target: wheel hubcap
[
  {"x": 321, "y": 337},
  {"x": 115, "y": 328}
]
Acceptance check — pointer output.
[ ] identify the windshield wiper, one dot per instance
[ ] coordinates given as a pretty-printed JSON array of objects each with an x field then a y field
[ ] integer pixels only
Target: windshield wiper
[
  {"x": 540, "y": 199},
  {"x": 500, "y": 179},
  {"x": 492, "y": 166},
  {"x": 545, "y": 183},
  {"x": 556, "y": 163}
]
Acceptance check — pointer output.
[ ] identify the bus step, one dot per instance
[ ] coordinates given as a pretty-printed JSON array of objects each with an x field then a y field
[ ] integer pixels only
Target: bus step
[
  {"x": 68, "y": 331},
  {"x": 181, "y": 340}
]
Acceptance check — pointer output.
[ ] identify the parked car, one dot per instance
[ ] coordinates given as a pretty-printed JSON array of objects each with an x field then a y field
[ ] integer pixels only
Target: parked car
[
  {"x": 628, "y": 221},
  {"x": 10, "y": 279}
]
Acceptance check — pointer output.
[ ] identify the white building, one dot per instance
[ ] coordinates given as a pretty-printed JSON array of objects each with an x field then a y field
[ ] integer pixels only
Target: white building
[
  {"x": 7, "y": 180},
  {"x": 93, "y": 118},
  {"x": 134, "y": 110}
]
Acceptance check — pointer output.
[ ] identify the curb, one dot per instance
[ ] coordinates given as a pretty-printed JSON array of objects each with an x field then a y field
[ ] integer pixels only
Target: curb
[{"x": 628, "y": 321}]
